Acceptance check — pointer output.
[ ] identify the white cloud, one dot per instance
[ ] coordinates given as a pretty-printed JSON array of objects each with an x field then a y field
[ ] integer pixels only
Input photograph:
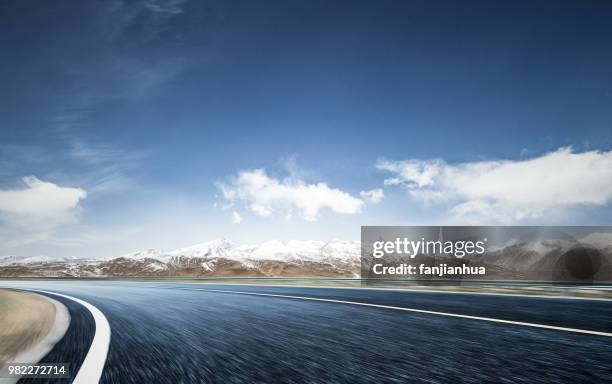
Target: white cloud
[
  {"x": 373, "y": 196},
  {"x": 236, "y": 218},
  {"x": 265, "y": 195},
  {"x": 506, "y": 190},
  {"x": 261, "y": 210},
  {"x": 40, "y": 202}
]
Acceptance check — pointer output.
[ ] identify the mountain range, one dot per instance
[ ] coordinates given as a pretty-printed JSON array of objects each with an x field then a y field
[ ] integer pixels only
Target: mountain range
[
  {"x": 545, "y": 259},
  {"x": 294, "y": 258}
]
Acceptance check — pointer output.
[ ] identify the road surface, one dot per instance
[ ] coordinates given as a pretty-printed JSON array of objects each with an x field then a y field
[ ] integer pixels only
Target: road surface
[{"x": 213, "y": 333}]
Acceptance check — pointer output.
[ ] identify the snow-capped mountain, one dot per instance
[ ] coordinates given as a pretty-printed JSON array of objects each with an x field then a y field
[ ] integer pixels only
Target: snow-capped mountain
[
  {"x": 547, "y": 259},
  {"x": 40, "y": 259},
  {"x": 293, "y": 251},
  {"x": 210, "y": 249},
  {"x": 336, "y": 258}
]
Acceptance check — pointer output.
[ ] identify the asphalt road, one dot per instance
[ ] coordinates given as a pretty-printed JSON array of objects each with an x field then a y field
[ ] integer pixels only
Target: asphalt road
[{"x": 187, "y": 333}]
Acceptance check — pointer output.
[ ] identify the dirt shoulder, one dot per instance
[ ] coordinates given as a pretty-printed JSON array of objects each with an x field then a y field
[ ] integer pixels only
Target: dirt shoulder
[{"x": 25, "y": 320}]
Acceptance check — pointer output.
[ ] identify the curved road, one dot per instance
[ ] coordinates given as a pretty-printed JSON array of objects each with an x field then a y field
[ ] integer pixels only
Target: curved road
[{"x": 210, "y": 333}]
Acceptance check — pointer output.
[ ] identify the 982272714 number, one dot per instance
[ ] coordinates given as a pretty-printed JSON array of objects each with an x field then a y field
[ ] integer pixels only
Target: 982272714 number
[{"x": 26, "y": 370}]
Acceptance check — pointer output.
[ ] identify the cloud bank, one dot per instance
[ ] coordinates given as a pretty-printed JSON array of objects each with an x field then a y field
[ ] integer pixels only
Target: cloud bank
[
  {"x": 265, "y": 196},
  {"x": 508, "y": 191},
  {"x": 40, "y": 203}
]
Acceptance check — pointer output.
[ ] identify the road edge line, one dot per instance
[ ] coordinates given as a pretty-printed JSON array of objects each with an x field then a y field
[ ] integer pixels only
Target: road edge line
[
  {"x": 423, "y": 311},
  {"x": 95, "y": 360}
]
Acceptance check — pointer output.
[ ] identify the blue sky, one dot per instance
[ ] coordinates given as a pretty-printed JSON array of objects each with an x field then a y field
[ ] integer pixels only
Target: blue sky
[{"x": 128, "y": 125}]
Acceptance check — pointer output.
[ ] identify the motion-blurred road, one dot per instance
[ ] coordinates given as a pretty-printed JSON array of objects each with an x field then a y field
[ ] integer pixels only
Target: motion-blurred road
[{"x": 192, "y": 333}]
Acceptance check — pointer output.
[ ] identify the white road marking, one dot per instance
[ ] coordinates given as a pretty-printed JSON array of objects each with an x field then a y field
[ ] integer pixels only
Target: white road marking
[
  {"x": 490, "y": 319},
  {"x": 91, "y": 369}
]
